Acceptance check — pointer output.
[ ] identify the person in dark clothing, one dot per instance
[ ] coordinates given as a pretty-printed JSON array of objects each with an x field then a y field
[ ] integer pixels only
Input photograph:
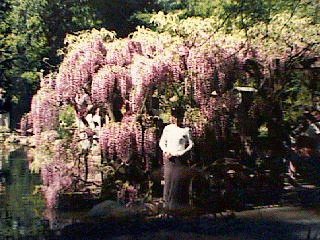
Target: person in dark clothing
[
  {"x": 176, "y": 144},
  {"x": 4, "y": 110},
  {"x": 2, "y": 101},
  {"x": 306, "y": 162}
]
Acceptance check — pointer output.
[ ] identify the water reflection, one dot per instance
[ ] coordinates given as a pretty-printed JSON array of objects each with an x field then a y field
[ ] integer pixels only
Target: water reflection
[
  {"x": 23, "y": 214},
  {"x": 20, "y": 209}
]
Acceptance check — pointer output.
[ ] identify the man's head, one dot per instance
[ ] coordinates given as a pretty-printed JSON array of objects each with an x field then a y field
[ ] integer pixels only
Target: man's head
[{"x": 177, "y": 114}]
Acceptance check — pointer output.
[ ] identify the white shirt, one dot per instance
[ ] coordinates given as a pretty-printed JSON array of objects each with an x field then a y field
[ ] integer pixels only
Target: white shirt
[{"x": 175, "y": 140}]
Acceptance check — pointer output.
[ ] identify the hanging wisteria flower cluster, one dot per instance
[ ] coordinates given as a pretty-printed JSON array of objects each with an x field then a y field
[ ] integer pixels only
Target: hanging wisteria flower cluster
[
  {"x": 127, "y": 142},
  {"x": 132, "y": 68},
  {"x": 56, "y": 175},
  {"x": 44, "y": 111},
  {"x": 126, "y": 66},
  {"x": 76, "y": 70}
]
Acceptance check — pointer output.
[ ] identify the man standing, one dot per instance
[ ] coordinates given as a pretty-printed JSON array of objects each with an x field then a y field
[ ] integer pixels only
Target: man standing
[
  {"x": 176, "y": 144},
  {"x": 4, "y": 111}
]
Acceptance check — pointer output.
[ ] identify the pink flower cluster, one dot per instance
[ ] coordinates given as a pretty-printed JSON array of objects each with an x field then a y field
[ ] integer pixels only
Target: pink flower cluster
[
  {"x": 123, "y": 140},
  {"x": 122, "y": 54},
  {"x": 55, "y": 177},
  {"x": 75, "y": 72},
  {"x": 127, "y": 194},
  {"x": 110, "y": 137},
  {"x": 126, "y": 66},
  {"x": 198, "y": 129},
  {"x": 150, "y": 146},
  {"x": 44, "y": 111}
]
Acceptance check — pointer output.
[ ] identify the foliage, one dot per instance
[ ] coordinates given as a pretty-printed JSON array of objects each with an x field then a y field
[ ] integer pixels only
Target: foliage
[
  {"x": 299, "y": 98},
  {"x": 67, "y": 116},
  {"x": 198, "y": 60},
  {"x": 44, "y": 153},
  {"x": 241, "y": 14},
  {"x": 25, "y": 41},
  {"x": 67, "y": 122},
  {"x": 290, "y": 37},
  {"x": 32, "y": 31}
]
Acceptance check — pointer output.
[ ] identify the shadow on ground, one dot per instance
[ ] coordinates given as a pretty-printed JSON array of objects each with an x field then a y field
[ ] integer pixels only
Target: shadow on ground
[{"x": 279, "y": 223}]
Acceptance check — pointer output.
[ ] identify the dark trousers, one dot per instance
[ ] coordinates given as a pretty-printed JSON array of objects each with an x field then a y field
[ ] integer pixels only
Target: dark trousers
[{"x": 177, "y": 180}]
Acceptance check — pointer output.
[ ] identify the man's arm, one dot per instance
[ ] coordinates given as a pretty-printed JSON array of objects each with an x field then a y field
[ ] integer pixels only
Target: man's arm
[
  {"x": 163, "y": 140},
  {"x": 190, "y": 144}
]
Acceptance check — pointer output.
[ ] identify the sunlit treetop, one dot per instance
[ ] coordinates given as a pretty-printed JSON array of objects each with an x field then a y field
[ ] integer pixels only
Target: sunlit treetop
[{"x": 286, "y": 35}]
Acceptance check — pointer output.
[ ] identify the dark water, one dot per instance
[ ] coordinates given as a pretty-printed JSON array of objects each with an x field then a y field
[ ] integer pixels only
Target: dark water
[
  {"x": 23, "y": 214},
  {"x": 21, "y": 209}
]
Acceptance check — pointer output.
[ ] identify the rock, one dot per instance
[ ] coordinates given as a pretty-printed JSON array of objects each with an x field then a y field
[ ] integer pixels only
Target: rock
[
  {"x": 12, "y": 139},
  {"x": 76, "y": 201},
  {"x": 112, "y": 209},
  {"x": 24, "y": 140},
  {"x": 109, "y": 209},
  {"x": 151, "y": 209}
]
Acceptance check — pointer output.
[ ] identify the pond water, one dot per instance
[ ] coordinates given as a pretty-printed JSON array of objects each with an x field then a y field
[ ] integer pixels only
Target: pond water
[{"x": 23, "y": 214}]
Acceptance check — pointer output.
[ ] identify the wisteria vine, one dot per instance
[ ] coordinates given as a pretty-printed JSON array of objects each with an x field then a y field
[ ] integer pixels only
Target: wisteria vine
[{"x": 119, "y": 77}]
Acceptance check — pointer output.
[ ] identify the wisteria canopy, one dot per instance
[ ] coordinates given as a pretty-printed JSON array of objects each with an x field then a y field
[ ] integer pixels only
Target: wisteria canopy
[{"x": 187, "y": 62}]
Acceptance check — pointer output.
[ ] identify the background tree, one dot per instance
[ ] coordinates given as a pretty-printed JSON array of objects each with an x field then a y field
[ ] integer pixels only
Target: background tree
[{"x": 32, "y": 32}]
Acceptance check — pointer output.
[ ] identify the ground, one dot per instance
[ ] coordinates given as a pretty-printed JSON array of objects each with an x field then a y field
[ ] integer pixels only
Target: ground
[{"x": 287, "y": 223}]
